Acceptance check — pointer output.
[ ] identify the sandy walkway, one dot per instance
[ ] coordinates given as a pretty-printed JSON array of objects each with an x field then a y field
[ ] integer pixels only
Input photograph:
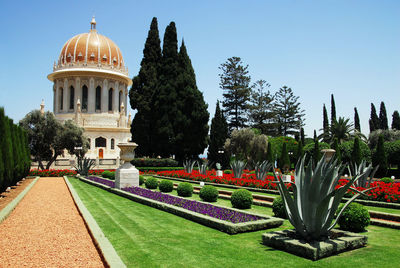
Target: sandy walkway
[{"x": 46, "y": 230}]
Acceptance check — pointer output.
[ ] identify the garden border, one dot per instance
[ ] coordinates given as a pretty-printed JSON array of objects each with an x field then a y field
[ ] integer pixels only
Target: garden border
[
  {"x": 227, "y": 227},
  {"x": 6, "y": 211},
  {"x": 102, "y": 243}
]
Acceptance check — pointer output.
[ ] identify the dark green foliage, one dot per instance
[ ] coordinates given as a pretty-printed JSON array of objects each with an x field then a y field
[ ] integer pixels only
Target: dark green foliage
[
  {"x": 392, "y": 150},
  {"x": 17, "y": 173},
  {"x": 270, "y": 158},
  {"x": 380, "y": 158},
  {"x": 108, "y": 175},
  {"x": 357, "y": 125},
  {"x": 166, "y": 186},
  {"x": 288, "y": 115},
  {"x": 356, "y": 153},
  {"x": 218, "y": 135},
  {"x": 151, "y": 183},
  {"x": 7, "y": 150},
  {"x": 346, "y": 149},
  {"x": 374, "y": 122},
  {"x": 396, "y": 120},
  {"x": 302, "y": 136},
  {"x": 1, "y": 170},
  {"x": 333, "y": 109},
  {"x": 277, "y": 146},
  {"x": 242, "y": 199},
  {"x": 355, "y": 218},
  {"x": 141, "y": 180},
  {"x": 154, "y": 162},
  {"x": 234, "y": 81},
  {"x": 383, "y": 120},
  {"x": 338, "y": 153},
  {"x": 343, "y": 130},
  {"x": 228, "y": 171},
  {"x": 278, "y": 207},
  {"x": 387, "y": 180},
  {"x": 325, "y": 125},
  {"x": 317, "y": 150},
  {"x": 185, "y": 189},
  {"x": 309, "y": 148},
  {"x": 284, "y": 161},
  {"x": 209, "y": 193}
]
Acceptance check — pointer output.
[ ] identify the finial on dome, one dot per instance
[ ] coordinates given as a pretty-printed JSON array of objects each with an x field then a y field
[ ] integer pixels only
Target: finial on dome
[{"x": 93, "y": 24}]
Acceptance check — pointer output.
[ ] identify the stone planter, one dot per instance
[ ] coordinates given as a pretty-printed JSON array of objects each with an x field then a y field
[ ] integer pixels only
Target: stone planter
[
  {"x": 219, "y": 173},
  {"x": 127, "y": 175},
  {"x": 315, "y": 250}
]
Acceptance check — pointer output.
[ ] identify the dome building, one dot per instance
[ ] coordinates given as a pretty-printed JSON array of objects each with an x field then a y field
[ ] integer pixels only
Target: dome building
[{"x": 91, "y": 87}]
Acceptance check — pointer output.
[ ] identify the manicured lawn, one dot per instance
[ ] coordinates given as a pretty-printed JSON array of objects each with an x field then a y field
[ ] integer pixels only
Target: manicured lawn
[{"x": 147, "y": 237}]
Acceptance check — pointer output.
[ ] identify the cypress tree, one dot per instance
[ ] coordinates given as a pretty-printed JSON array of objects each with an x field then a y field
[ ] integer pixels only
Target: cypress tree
[
  {"x": 141, "y": 94},
  {"x": 380, "y": 158},
  {"x": 374, "y": 120},
  {"x": 218, "y": 135},
  {"x": 27, "y": 151},
  {"x": 356, "y": 153},
  {"x": 15, "y": 149},
  {"x": 7, "y": 152},
  {"x": 316, "y": 151},
  {"x": 325, "y": 125},
  {"x": 284, "y": 160},
  {"x": 336, "y": 147},
  {"x": 1, "y": 170},
  {"x": 165, "y": 97},
  {"x": 191, "y": 126},
  {"x": 300, "y": 151},
  {"x": 383, "y": 121},
  {"x": 333, "y": 110},
  {"x": 396, "y": 120},
  {"x": 356, "y": 120},
  {"x": 270, "y": 157},
  {"x": 302, "y": 136}
]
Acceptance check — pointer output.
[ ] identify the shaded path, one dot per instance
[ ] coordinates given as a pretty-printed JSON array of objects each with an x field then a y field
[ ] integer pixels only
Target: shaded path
[{"x": 46, "y": 230}]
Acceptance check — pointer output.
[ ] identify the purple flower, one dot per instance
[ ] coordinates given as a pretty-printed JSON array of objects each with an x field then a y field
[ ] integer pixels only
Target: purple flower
[{"x": 102, "y": 181}]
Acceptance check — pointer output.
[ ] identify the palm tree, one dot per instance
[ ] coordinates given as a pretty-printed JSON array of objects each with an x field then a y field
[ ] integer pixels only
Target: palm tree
[{"x": 343, "y": 131}]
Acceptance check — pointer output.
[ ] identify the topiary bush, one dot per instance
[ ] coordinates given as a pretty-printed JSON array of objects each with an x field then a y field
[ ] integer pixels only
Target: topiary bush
[
  {"x": 141, "y": 180},
  {"x": 185, "y": 189},
  {"x": 209, "y": 193},
  {"x": 387, "y": 180},
  {"x": 279, "y": 208},
  {"x": 242, "y": 199},
  {"x": 228, "y": 171},
  {"x": 151, "y": 183},
  {"x": 166, "y": 186},
  {"x": 354, "y": 218}
]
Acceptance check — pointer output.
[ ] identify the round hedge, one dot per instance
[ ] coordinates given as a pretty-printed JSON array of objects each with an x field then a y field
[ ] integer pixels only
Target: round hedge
[
  {"x": 209, "y": 193},
  {"x": 242, "y": 199},
  {"x": 151, "y": 183},
  {"x": 228, "y": 171},
  {"x": 278, "y": 207},
  {"x": 108, "y": 175},
  {"x": 185, "y": 189},
  {"x": 387, "y": 180},
  {"x": 141, "y": 179},
  {"x": 354, "y": 218},
  {"x": 166, "y": 186}
]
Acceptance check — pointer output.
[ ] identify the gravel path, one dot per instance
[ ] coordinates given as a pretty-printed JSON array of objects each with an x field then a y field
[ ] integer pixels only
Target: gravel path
[{"x": 46, "y": 230}]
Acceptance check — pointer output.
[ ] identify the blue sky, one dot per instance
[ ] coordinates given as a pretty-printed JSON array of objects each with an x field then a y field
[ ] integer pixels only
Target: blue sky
[{"x": 348, "y": 48}]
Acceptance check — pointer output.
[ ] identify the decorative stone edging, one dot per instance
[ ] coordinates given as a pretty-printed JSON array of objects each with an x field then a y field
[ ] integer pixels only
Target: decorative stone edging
[
  {"x": 107, "y": 250},
  {"x": 5, "y": 212},
  {"x": 227, "y": 227}
]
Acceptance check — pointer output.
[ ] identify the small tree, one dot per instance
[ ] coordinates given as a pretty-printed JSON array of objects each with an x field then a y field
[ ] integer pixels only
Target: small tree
[
  {"x": 325, "y": 125},
  {"x": 7, "y": 150},
  {"x": 218, "y": 136},
  {"x": 356, "y": 153},
  {"x": 383, "y": 121},
  {"x": 374, "y": 123},
  {"x": 379, "y": 157},
  {"x": 333, "y": 110},
  {"x": 284, "y": 160},
  {"x": 300, "y": 151},
  {"x": 302, "y": 136},
  {"x": 338, "y": 153},
  {"x": 270, "y": 157},
  {"x": 316, "y": 151},
  {"x": 356, "y": 120},
  {"x": 396, "y": 120}
]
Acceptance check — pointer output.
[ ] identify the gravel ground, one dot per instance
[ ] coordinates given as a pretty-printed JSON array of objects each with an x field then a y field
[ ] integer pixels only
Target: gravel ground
[
  {"x": 46, "y": 230},
  {"x": 7, "y": 197}
]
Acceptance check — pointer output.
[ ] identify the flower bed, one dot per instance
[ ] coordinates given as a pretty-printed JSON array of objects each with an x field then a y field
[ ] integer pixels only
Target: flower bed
[
  {"x": 60, "y": 172},
  {"x": 102, "y": 181}
]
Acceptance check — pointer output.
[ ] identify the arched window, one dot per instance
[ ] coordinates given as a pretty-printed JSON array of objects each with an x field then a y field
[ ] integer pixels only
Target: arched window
[
  {"x": 119, "y": 101},
  {"x": 84, "y": 97},
  {"x": 112, "y": 144},
  {"x": 110, "y": 99},
  {"x": 100, "y": 142},
  {"x": 61, "y": 98},
  {"x": 71, "y": 97},
  {"x": 98, "y": 98}
]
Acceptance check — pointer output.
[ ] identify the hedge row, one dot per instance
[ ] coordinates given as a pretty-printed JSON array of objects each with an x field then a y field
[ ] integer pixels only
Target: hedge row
[
  {"x": 14, "y": 152},
  {"x": 154, "y": 162}
]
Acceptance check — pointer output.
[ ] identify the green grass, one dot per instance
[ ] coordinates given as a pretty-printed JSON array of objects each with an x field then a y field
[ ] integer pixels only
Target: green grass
[{"x": 147, "y": 237}]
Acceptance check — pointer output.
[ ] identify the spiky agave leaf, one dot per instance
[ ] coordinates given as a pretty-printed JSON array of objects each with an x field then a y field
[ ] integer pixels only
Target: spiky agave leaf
[
  {"x": 261, "y": 169},
  {"x": 238, "y": 168}
]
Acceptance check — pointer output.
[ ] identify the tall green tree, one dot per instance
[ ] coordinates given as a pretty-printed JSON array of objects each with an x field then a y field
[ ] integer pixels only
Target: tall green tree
[
  {"x": 383, "y": 121},
  {"x": 141, "y": 94},
  {"x": 17, "y": 168},
  {"x": 191, "y": 122},
  {"x": 379, "y": 157},
  {"x": 336, "y": 147},
  {"x": 261, "y": 108},
  {"x": 357, "y": 125},
  {"x": 302, "y": 136},
  {"x": 218, "y": 136},
  {"x": 300, "y": 150},
  {"x": 325, "y": 125},
  {"x": 284, "y": 160},
  {"x": 289, "y": 116},
  {"x": 356, "y": 152},
  {"x": 333, "y": 109},
  {"x": 234, "y": 81},
  {"x": 396, "y": 120},
  {"x": 374, "y": 123},
  {"x": 316, "y": 151},
  {"x": 7, "y": 150},
  {"x": 270, "y": 157}
]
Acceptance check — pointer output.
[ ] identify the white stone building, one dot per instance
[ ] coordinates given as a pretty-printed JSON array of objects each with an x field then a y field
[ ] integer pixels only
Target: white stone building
[{"x": 91, "y": 87}]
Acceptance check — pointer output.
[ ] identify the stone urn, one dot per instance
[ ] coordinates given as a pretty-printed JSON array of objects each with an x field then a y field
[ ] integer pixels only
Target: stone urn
[
  {"x": 328, "y": 153},
  {"x": 126, "y": 175}
]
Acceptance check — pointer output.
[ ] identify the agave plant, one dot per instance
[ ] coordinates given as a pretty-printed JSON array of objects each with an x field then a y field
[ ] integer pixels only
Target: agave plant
[
  {"x": 357, "y": 169},
  {"x": 83, "y": 165},
  {"x": 202, "y": 168},
  {"x": 238, "y": 168},
  {"x": 188, "y": 165},
  {"x": 315, "y": 200},
  {"x": 261, "y": 169}
]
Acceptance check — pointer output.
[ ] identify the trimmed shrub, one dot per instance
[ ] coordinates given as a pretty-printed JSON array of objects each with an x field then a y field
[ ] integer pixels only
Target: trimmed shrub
[
  {"x": 387, "y": 180},
  {"x": 354, "y": 218},
  {"x": 185, "y": 189},
  {"x": 154, "y": 162},
  {"x": 151, "y": 183},
  {"x": 242, "y": 199},
  {"x": 166, "y": 186},
  {"x": 209, "y": 193},
  {"x": 228, "y": 171},
  {"x": 278, "y": 208},
  {"x": 108, "y": 175},
  {"x": 141, "y": 180}
]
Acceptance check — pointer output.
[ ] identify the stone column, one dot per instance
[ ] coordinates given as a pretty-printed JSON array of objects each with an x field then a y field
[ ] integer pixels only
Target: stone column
[
  {"x": 78, "y": 92},
  {"x": 104, "y": 96},
  {"x": 91, "y": 96},
  {"x": 56, "y": 98},
  {"x": 126, "y": 101},
  {"x": 115, "y": 98},
  {"x": 65, "y": 96}
]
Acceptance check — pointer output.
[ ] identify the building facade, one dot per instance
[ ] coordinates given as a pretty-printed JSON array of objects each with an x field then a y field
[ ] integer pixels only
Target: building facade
[{"x": 91, "y": 87}]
